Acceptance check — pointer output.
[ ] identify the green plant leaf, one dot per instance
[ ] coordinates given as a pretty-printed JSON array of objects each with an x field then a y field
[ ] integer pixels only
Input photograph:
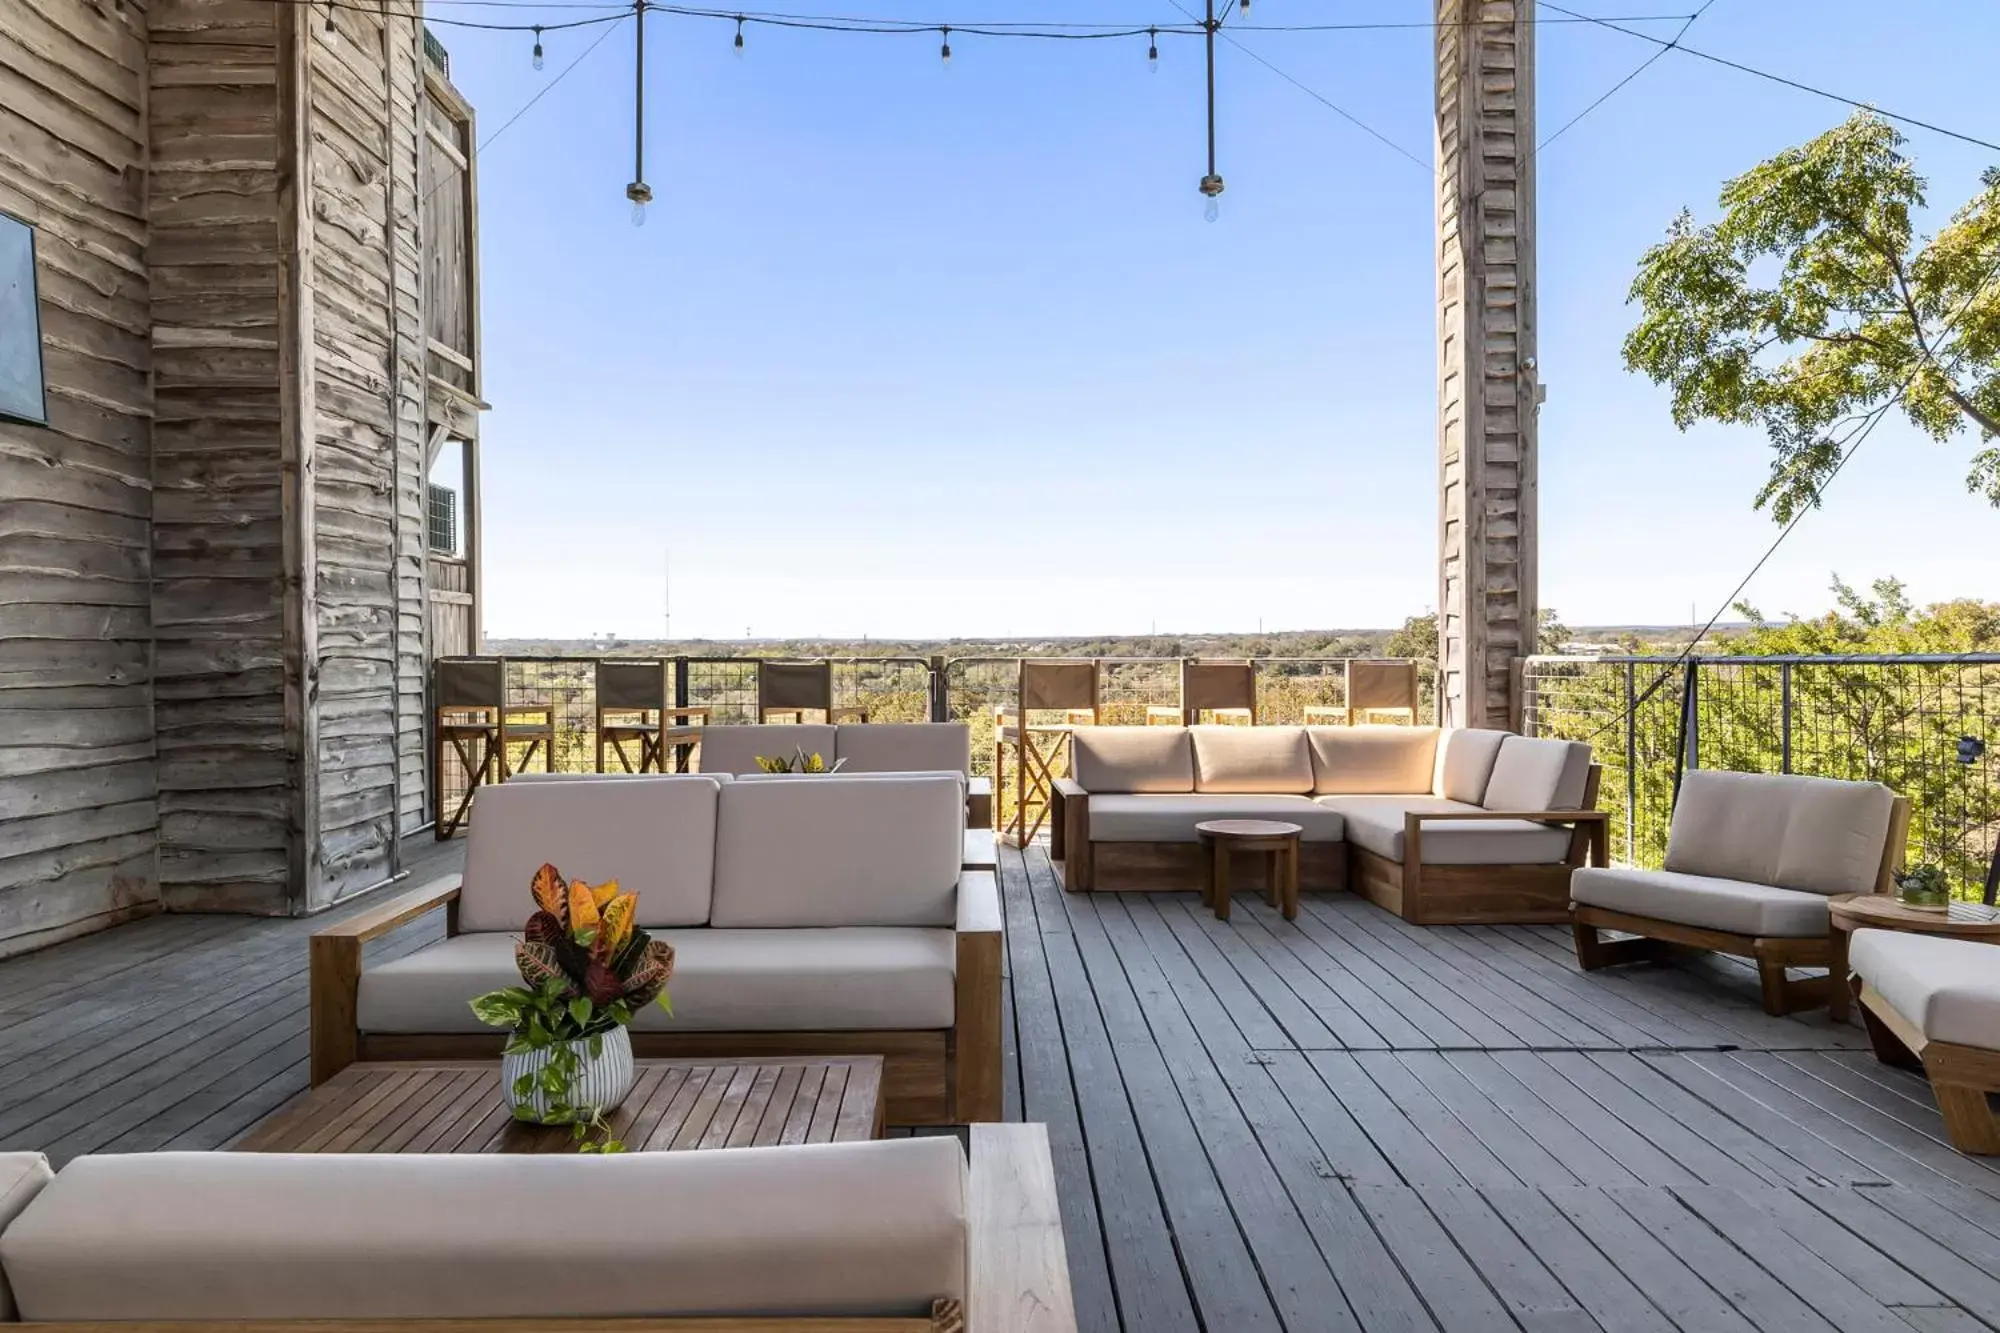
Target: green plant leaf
[{"x": 580, "y": 1010}]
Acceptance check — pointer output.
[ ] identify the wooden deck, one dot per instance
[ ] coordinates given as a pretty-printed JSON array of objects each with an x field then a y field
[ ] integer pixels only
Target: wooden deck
[{"x": 1346, "y": 1123}]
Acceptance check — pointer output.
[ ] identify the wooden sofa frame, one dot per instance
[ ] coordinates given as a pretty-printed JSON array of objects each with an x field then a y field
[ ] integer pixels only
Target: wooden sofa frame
[
  {"x": 1017, "y": 1272},
  {"x": 1426, "y": 895},
  {"x": 929, "y": 1077},
  {"x": 1773, "y": 955},
  {"x": 1961, "y": 1077}
]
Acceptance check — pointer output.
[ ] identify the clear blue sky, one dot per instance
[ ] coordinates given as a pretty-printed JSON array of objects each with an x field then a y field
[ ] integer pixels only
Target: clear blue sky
[{"x": 908, "y": 352}]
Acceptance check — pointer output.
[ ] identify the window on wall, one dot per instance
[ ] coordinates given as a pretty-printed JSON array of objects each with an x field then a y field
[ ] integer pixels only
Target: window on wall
[
  {"x": 442, "y": 527},
  {"x": 21, "y": 393}
]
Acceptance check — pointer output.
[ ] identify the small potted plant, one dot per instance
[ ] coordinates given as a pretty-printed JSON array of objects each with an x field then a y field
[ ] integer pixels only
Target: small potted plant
[
  {"x": 798, "y": 762},
  {"x": 1925, "y": 888},
  {"x": 586, "y": 969}
]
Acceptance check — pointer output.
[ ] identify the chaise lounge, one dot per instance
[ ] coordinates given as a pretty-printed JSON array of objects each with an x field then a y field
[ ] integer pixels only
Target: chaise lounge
[
  {"x": 1436, "y": 825},
  {"x": 809, "y": 918}
]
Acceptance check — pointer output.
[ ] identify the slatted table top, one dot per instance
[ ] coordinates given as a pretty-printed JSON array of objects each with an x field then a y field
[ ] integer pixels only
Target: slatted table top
[{"x": 675, "y": 1105}]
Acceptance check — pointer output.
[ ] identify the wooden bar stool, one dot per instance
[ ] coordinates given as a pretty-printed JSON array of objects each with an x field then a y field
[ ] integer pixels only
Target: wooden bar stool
[
  {"x": 1221, "y": 689},
  {"x": 1045, "y": 686},
  {"x": 798, "y": 688},
  {"x": 473, "y": 720},
  {"x": 1375, "y": 686},
  {"x": 632, "y": 702}
]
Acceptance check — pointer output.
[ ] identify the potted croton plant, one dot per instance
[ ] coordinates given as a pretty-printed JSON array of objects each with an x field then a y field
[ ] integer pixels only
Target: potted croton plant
[
  {"x": 586, "y": 969},
  {"x": 798, "y": 762}
]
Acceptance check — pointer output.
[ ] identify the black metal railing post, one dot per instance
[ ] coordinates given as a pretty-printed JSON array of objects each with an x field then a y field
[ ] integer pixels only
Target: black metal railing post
[
  {"x": 940, "y": 688},
  {"x": 1688, "y": 753},
  {"x": 1631, "y": 761}
]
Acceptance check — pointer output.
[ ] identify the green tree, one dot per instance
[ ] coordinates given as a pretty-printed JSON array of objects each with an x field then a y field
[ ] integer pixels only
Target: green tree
[{"x": 1813, "y": 307}]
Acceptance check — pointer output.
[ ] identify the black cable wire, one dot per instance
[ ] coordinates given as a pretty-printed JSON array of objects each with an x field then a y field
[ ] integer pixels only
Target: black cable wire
[{"x": 1615, "y": 88}]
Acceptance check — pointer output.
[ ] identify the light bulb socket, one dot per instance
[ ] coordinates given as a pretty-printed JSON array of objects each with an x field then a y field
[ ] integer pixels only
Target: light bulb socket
[
  {"x": 944, "y": 52},
  {"x": 1153, "y": 45},
  {"x": 639, "y": 193},
  {"x": 1211, "y": 186},
  {"x": 739, "y": 34}
]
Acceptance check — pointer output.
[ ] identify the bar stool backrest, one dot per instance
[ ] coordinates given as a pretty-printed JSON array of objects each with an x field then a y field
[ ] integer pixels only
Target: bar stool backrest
[
  {"x": 1218, "y": 687},
  {"x": 1381, "y": 687},
  {"x": 1054, "y": 685},
  {"x": 470, "y": 682},
  {"x": 632, "y": 687},
  {"x": 794, "y": 685}
]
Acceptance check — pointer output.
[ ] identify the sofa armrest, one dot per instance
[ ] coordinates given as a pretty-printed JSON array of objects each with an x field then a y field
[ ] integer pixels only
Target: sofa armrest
[
  {"x": 335, "y": 956},
  {"x": 978, "y": 902},
  {"x": 1017, "y": 1270},
  {"x": 1590, "y": 830},
  {"x": 1539, "y": 816},
  {"x": 1070, "y": 789}
]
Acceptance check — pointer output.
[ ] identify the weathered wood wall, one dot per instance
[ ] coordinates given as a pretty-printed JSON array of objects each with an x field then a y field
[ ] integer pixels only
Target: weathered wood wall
[
  {"x": 1487, "y": 387},
  {"x": 78, "y": 816},
  {"x": 450, "y": 609}
]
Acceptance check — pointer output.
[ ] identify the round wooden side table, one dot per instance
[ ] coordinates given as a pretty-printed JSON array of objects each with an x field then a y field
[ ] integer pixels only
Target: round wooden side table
[
  {"x": 1221, "y": 837},
  {"x": 1884, "y": 911}
]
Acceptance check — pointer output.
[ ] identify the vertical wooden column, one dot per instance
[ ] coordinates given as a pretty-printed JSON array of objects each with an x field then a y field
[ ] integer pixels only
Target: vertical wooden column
[{"x": 1488, "y": 610}]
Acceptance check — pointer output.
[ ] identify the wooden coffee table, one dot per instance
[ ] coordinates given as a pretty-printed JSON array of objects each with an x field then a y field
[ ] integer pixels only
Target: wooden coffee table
[
  {"x": 455, "y": 1107},
  {"x": 1882, "y": 911},
  {"x": 1221, "y": 837}
]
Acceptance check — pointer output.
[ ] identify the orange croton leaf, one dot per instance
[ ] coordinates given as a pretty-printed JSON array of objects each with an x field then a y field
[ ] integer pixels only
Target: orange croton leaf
[
  {"x": 583, "y": 914},
  {"x": 621, "y": 914},
  {"x": 550, "y": 891},
  {"x": 604, "y": 893}
]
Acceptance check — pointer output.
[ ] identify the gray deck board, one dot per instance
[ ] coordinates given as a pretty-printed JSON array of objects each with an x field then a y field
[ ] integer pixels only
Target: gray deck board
[{"x": 1345, "y": 1122}]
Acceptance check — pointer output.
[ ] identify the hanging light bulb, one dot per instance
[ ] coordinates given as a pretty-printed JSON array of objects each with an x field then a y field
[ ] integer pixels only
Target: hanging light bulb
[
  {"x": 640, "y": 194},
  {"x": 331, "y": 33},
  {"x": 944, "y": 52},
  {"x": 1152, "y": 50},
  {"x": 739, "y": 36},
  {"x": 1211, "y": 186},
  {"x": 538, "y": 46},
  {"x": 1243, "y": 6}
]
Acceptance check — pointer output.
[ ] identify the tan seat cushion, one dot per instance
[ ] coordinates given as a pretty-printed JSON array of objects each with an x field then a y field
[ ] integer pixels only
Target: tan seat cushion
[
  {"x": 1132, "y": 759},
  {"x": 1732, "y": 905},
  {"x": 1376, "y": 823},
  {"x": 1270, "y": 760},
  {"x": 842, "y": 979},
  {"x": 1537, "y": 774},
  {"x": 1948, "y": 989},
  {"x": 1171, "y": 816},
  {"x": 904, "y": 747},
  {"x": 879, "y": 851},
  {"x": 1351, "y": 761},
  {"x": 654, "y": 835},
  {"x": 1465, "y": 758},
  {"x": 736, "y": 749},
  {"x": 22, "y": 1176},
  {"x": 851, "y": 1228},
  {"x": 1815, "y": 834}
]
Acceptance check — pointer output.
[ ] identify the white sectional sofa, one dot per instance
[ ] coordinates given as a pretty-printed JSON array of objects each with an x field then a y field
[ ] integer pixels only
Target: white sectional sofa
[
  {"x": 807, "y": 917},
  {"x": 866, "y": 747},
  {"x": 903, "y": 1235},
  {"x": 1752, "y": 859},
  {"x": 1451, "y": 825}
]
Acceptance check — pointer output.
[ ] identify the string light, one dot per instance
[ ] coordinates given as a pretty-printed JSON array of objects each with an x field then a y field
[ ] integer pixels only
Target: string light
[
  {"x": 1153, "y": 50},
  {"x": 332, "y": 34},
  {"x": 739, "y": 36},
  {"x": 944, "y": 52},
  {"x": 638, "y": 191},
  {"x": 538, "y": 46},
  {"x": 1243, "y": 6}
]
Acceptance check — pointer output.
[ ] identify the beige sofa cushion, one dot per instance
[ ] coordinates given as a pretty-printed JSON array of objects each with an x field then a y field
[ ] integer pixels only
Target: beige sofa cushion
[
  {"x": 838, "y": 979},
  {"x": 1531, "y": 774},
  {"x": 22, "y": 1176},
  {"x": 614, "y": 776},
  {"x": 1948, "y": 989},
  {"x": 1171, "y": 816},
  {"x": 1376, "y": 823},
  {"x": 826, "y": 1229},
  {"x": 1349, "y": 761},
  {"x": 736, "y": 749},
  {"x": 1464, "y": 761},
  {"x": 1132, "y": 759},
  {"x": 883, "y": 851},
  {"x": 1732, "y": 905},
  {"x": 1272, "y": 760},
  {"x": 655, "y": 835},
  {"x": 1814, "y": 834},
  {"x": 904, "y": 747}
]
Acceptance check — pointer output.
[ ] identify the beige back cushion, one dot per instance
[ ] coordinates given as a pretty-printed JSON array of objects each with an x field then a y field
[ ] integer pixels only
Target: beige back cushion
[
  {"x": 904, "y": 747},
  {"x": 813, "y": 852},
  {"x": 1818, "y": 835},
  {"x": 654, "y": 835},
  {"x": 22, "y": 1176},
  {"x": 824, "y": 1229},
  {"x": 1465, "y": 758},
  {"x": 1132, "y": 759},
  {"x": 1373, "y": 761},
  {"x": 1531, "y": 774},
  {"x": 736, "y": 749},
  {"x": 1269, "y": 760}
]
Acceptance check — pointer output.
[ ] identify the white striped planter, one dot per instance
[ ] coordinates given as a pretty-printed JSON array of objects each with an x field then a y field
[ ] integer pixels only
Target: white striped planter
[{"x": 602, "y": 1083}]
